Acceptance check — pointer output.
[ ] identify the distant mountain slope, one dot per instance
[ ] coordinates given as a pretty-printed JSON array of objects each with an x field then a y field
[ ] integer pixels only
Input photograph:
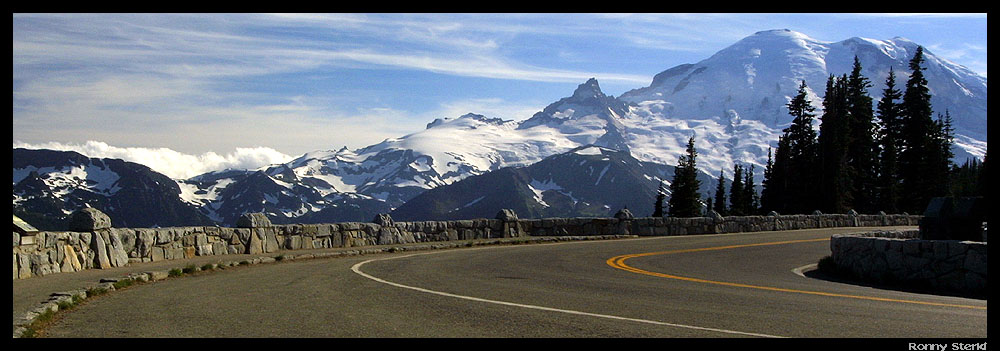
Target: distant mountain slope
[
  {"x": 50, "y": 185},
  {"x": 589, "y": 181}
]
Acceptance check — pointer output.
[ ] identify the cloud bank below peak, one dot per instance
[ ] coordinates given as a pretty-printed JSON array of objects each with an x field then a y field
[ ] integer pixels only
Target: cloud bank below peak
[{"x": 174, "y": 164}]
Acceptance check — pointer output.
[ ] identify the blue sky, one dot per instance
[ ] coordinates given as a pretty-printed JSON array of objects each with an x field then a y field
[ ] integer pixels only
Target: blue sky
[{"x": 200, "y": 84}]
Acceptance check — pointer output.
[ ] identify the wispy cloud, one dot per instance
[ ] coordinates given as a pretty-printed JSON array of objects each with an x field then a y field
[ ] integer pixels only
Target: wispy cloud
[{"x": 169, "y": 162}]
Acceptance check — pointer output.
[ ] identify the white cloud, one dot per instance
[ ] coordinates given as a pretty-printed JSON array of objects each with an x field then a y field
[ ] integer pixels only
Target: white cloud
[{"x": 171, "y": 163}]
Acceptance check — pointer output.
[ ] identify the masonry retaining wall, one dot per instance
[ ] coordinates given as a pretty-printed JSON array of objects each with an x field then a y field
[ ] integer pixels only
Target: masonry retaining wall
[
  {"x": 41, "y": 253},
  {"x": 901, "y": 258}
]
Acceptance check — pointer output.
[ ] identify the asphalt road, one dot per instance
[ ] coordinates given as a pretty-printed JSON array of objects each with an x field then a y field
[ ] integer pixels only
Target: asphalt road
[{"x": 708, "y": 286}]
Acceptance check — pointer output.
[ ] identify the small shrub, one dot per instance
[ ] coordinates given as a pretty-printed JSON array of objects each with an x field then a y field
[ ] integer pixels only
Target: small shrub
[
  {"x": 123, "y": 283},
  {"x": 176, "y": 272},
  {"x": 244, "y": 263},
  {"x": 279, "y": 258},
  {"x": 96, "y": 292},
  {"x": 190, "y": 269},
  {"x": 65, "y": 305},
  {"x": 208, "y": 267},
  {"x": 29, "y": 333},
  {"x": 33, "y": 330}
]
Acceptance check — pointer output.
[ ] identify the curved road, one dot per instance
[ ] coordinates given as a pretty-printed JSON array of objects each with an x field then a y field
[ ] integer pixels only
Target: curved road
[{"x": 706, "y": 286}]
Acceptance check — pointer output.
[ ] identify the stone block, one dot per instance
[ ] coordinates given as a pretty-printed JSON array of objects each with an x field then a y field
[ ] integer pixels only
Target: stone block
[
  {"x": 255, "y": 245},
  {"x": 157, "y": 253},
  {"x": 507, "y": 215},
  {"x": 383, "y": 219},
  {"x": 88, "y": 220},
  {"x": 163, "y": 236},
  {"x": 23, "y": 266},
  {"x": 225, "y": 233},
  {"x": 70, "y": 261},
  {"x": 293, "y": 242},
  {"x": 200, "y": 239},
  {"x": 117, "y": 255},
  {"x": 100, "y": 249},
  {"x": 204, "y": 250},
  {"x": 157, "y": 275},
  {"x": 144, "y": 242},
  {"x": 253, "y": 220},
  {"x": 270, "y": 243},
  {"x": 219, "y": 248},
  {"x": 128, "y": 239},
  {"x": 174, "y": 253}
]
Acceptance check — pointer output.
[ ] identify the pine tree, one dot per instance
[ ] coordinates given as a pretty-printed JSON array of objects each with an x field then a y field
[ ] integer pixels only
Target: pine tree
[
  {"x": 751, "y": 202},
  {"x": 890, "y": 143},
  {"x": 661, "y": 194},
  {"x": 940, "y": 158},
  {"x": 709, "y": 207},
  {"x": 684, "y": 198},
  {"x": 918, "y": 172},
  {"x": 769, "y": 187},
  {"x": 736, "y": 193},
  {"x": 777, "y": 195},
  {"x": 720, "y": 196},
  {"x": 862, "y": 152},
  {"x": 834, "y": 189},
  {"x": 800, "y": 155},
  {"x": 965, "y": 178}
]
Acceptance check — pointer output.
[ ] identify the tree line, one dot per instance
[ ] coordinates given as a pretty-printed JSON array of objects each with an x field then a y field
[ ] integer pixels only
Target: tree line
[{"x": 891, "y": 156}]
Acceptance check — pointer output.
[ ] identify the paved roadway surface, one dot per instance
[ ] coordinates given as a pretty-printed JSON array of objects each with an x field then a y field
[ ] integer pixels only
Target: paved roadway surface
[{"x": 706, "y": 286}]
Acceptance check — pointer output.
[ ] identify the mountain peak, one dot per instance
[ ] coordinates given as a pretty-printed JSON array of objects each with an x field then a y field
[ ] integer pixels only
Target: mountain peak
[
  {"x": 588, "y": 89},
  {"x": 467, "y": 116},
  {"x": 779, "y": 33},
  {"x": 774, "y": 31}
]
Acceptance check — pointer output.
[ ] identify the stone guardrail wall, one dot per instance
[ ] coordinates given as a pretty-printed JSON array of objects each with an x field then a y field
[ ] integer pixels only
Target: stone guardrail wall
[
  {"x": 901, "y": 258},
  {"x": 100, "y": 246}
]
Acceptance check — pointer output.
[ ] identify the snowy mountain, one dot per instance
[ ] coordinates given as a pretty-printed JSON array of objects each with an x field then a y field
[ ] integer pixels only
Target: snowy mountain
[
  {"x": 733, "y": 103},
  {"x": 754, "y": 78},
  {"x": 589, "y": 181},
  {"x": 49, "y": 185}
]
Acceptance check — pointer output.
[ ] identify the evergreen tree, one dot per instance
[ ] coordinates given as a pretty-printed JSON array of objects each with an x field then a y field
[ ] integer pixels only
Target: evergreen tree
[
  {"x": 939, "y": 159},
  {"x": 720, "y": 196},
  {"x": 797, "y": 162},
  {"x": 920, "y": 158},
  {"x": 890, "y": 143},
  {"x": 862, "y": 152},
  {"x": 834, "y": 189},
  {"x": 770, "y": 186},
  {"x": 709, "y": 207},
  {"x": 684, "y": 198},
  {"x": 737, "y": 201},
  {"x": 965, "y": 178},
  {"x": 661, "y": 194},
  {"x": 751, "y": 202}
]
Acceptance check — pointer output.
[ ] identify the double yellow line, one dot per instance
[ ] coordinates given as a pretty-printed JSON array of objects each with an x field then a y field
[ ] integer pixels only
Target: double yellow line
[{"x": 619, "y": 263}]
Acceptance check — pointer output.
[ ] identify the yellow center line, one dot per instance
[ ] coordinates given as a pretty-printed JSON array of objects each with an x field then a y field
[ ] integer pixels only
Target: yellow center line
[{"x": 619, "y": 263}]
